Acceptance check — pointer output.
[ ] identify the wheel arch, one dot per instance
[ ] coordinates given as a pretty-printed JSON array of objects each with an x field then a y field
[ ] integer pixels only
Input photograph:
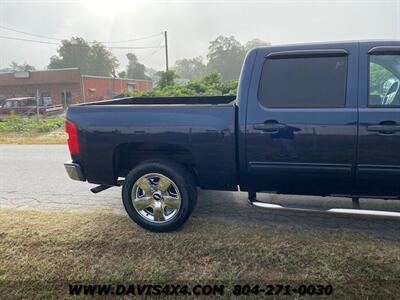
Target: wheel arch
[{"x": 129, "y": 155}]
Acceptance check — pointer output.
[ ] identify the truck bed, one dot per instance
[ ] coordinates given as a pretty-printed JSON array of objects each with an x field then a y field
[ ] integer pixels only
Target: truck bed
[
  {"x": 116, "y": 134},
  {"x": 207, "y": 100}
]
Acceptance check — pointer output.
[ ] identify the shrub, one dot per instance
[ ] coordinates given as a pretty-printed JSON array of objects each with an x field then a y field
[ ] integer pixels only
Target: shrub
[
  {"x": 27, "y": 125},
  {"x": 210, "y": 85}
]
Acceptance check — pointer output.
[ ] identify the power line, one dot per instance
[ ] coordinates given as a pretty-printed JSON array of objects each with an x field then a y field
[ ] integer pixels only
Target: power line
[
  {"x": 132, "y": 40},
  {"x": 27, "y": 40},
  {"x": 147, "y": 58},
  {"x": 137, "y": 48},
  {"x": 27, "y": 33},
  {"x": 59, "y": 39},
  {"x": 53, "y": 43}
]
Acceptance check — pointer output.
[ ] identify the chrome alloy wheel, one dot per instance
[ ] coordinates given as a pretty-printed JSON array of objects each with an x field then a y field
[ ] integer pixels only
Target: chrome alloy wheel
[{"x": 156, "y": 198}]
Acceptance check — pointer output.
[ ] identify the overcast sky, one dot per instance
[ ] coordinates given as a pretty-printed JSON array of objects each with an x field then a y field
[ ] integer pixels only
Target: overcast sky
[{"x": 190, "y": 24}]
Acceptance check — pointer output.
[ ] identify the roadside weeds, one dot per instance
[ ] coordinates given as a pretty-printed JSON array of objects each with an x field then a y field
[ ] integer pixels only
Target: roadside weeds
[
  {"x": 55, "y": 137},
  {"x": 18, "y": 130}
]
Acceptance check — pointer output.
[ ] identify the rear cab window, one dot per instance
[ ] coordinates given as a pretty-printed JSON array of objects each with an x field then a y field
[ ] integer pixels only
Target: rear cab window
[{"x": 304, "y": 81}]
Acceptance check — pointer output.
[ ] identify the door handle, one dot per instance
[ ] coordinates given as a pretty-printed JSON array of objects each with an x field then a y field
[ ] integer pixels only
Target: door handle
[
  {"x": 269, "y": 126},
  {"x": 387, "y": 129}
]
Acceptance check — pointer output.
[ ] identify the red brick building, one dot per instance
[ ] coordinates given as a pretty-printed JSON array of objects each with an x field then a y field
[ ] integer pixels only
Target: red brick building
[
  {"x": 66, "y": 86},
  {"x": 97, "y": 87}
]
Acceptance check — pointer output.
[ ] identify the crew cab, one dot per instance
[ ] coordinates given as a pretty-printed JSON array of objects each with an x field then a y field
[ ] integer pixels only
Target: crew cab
[{"x": 312, "y": 119}]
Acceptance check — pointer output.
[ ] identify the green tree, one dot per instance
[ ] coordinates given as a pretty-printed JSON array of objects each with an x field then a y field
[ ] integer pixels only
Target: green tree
[
  {"x": 134, "y": 69},
  {"x": 254, "y": 43},
  {"x": 190, "y": 68},
  {"x": 101, "y": 61},
  {"x": 225, "y": 56},
  {"x": 15, "y": 67},
  {"x": 208, "y": 85},
  {"x": 152, "y": 73},
  {"x": 72, "y": 53},
  {"x": 167, "y": 78},
  {"x": 212, "y": 78},
  {"x": 91, "y": 60},
  {"x": 122, "y": 74}
]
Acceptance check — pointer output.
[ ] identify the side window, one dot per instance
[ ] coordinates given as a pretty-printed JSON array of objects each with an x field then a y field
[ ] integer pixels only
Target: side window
[
  {"x": 31, "y": 102},
  {"x": 303, "y": 82},
  {"x": 8, "y": 104},
  {"x": 384, "y": 83}
]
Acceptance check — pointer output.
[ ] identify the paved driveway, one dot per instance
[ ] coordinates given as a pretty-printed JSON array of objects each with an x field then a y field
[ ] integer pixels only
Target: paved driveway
[{"x": 33, "y": 177}]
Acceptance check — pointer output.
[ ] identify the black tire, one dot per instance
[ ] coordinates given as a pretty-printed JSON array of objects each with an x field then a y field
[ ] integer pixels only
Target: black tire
[{"x": 182, "y": 178}]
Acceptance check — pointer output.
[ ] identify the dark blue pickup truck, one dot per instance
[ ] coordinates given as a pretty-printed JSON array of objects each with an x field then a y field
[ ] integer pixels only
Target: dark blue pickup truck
[{"x": 313, "y": 119}]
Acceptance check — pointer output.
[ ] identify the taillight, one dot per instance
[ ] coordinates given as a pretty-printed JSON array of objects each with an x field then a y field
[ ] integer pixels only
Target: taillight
[{"x": 72, "y": 131}]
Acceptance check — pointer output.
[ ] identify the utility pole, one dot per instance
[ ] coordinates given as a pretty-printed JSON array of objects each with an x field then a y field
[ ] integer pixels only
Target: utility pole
[
  {"x": 65, "y": 99},
  {"x": 37, "y": 104},
  {"x": 166, "y": 50}
]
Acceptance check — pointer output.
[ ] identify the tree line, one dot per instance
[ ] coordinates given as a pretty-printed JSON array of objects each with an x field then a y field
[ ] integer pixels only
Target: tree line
[
  {"x": 210, "y": 84},
  {"x": 225, "y": 57}
]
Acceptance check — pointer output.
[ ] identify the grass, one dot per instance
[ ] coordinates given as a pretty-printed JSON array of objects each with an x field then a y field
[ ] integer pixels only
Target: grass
[
  {"x": 55, "y": 137},
  {"x": 17, "y": 130},
  {"x": 101, "y": 247}
]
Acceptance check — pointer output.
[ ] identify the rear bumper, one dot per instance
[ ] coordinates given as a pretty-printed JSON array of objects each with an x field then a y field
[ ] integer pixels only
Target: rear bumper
[{"x": 74, "y": 171}]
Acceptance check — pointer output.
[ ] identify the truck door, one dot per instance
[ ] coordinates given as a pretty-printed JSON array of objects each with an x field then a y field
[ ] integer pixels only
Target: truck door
[
  {"x": 301, "y": 128},
  {"x": 378, "y": 168}
]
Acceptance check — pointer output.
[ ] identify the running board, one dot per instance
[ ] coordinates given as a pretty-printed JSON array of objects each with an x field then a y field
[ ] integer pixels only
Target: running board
[{"x": 340, "y": 211}]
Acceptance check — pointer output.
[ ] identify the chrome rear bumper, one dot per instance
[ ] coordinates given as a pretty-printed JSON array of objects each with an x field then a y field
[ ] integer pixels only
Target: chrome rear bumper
[{"x": 74, "y": 171}]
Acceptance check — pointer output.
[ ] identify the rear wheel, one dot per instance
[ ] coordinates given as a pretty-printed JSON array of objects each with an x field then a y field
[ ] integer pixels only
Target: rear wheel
[{"x": 159, "y": 195}]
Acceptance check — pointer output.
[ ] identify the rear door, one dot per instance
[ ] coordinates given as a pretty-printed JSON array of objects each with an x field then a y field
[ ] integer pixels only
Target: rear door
[
  {"x": 378, "y": 169},
  {"x": 301, "y": 129}
]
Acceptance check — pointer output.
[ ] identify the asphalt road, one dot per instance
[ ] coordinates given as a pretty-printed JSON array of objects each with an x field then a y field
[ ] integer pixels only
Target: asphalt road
[{"x": 33, "y": 177}]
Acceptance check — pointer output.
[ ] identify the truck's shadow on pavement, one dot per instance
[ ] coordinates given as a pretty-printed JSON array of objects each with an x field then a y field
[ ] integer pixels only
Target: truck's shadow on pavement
[{"x": 233, "y": 207}]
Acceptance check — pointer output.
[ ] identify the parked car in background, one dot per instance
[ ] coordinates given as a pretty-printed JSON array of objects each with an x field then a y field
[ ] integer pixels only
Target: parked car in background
[
  {"x": 26, "y": 106},
  {"x": 312, "y": 119}
]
